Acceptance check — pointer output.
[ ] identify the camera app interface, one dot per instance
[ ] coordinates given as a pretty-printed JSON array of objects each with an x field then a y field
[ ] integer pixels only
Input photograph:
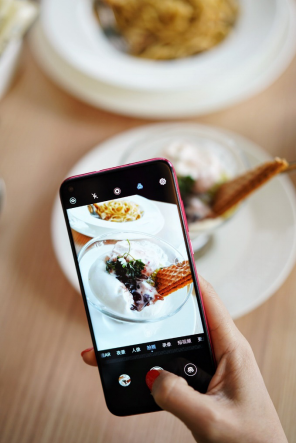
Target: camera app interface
[{"x": 139, "y": 289}]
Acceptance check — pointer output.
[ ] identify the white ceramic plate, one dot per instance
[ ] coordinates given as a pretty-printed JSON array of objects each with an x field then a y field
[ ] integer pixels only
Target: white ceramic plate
[
  {"x": 204, "y": 98},
  {"x": 251, "y": 255},
  {"x": 151, "y": 222},
  {"x": 73, "y": 31}
]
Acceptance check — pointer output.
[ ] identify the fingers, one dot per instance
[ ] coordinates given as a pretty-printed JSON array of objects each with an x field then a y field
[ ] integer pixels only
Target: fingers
[
  {"x": 224, "y": 333},
  {"x": 173, "y": 394},
  {"x": 88, "y": 356}
]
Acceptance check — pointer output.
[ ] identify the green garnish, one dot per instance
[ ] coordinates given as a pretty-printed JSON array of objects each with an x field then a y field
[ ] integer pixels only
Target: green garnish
[
  {"x": 121, "y": 267},
  {"x": 186, "y": 185},
  {"x": 131, "y": 269}
]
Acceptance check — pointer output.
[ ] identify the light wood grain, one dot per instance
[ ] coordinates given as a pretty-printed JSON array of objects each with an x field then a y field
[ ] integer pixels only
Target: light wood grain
[{"x": 47, "y": 394}]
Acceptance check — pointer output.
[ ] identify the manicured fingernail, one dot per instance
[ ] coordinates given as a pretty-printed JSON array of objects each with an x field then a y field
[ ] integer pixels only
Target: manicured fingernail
[
  {"x": 151, "y": 376},
  {"x": 85, "y": 351}
]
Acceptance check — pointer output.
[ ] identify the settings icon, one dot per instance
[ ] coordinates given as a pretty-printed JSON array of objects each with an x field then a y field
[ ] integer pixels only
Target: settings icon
[{"x": 162, "y": 181}]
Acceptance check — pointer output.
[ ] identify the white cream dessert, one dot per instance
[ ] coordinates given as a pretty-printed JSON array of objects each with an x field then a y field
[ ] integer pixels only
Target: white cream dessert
[
  {"x": 198, "y": 171},
  {"x": 202, "y": 166},
  {"x": 122, "y": 280}
]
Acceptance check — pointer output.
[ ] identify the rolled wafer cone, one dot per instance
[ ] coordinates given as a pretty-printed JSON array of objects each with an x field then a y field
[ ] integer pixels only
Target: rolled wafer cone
[
  {"x": 181, "y": 284},
  {"x": 172, "y": 278},
  {"x": 234, "y": 191}
]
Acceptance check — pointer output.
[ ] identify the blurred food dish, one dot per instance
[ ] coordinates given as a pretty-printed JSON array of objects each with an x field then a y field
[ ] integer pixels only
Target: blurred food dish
[
  {"x": 213, "y": 175},
  {"x": 201, "y": 170},
  {"x": 167, "y": 29},
  {"x": 71, "y": 28},
  {"x": 238, "y": 263},
  {"x": 73, "y": 53},
  {"x": 202, "y": 163},
  {"x": 15, "y": 18}
]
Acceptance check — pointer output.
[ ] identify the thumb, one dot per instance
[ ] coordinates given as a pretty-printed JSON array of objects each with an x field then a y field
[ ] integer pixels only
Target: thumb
[{"x": 173, "y": 394}]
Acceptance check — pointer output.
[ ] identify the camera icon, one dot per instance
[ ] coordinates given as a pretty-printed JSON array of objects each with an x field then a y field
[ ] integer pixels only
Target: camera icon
[
  {"x": 190, "y": 369},
  {"x": 117, "y": 191}
]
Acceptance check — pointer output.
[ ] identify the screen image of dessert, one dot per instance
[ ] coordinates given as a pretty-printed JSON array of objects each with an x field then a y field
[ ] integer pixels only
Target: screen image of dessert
[{"x": 135, "y": 271}]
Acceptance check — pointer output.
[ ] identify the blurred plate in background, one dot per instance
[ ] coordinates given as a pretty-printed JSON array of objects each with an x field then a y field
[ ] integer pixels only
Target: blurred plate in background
[
  {"x": 73, "y": 31},
  {"x": 71, "y": 48},
  {"x": 251, "y": 255}
]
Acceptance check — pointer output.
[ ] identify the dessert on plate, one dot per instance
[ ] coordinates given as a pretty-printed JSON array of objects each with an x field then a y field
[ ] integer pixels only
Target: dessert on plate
[
  {"x": 199, "y": 172},
  {"x": 207, "y": 191},
  {"x": 136, "y": 278}
]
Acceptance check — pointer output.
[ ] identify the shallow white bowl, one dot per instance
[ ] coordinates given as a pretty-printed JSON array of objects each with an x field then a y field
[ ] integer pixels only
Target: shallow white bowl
[
  {"x": 207, "y": 97},
  {"x": 73, "y": 31}
]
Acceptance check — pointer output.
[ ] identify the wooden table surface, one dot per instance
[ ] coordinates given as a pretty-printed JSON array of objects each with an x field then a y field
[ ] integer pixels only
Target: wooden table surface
[{"x": 47, "y": 394}]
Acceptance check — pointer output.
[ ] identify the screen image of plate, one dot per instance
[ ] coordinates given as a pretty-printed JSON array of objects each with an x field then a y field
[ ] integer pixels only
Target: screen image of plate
[
  {"x": 105, "y": 290},
  {"x": 82, "y": 221}
]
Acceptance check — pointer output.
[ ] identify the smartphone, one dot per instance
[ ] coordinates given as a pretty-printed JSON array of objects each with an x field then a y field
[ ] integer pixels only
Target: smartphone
[{"x": 136, "y": 270}]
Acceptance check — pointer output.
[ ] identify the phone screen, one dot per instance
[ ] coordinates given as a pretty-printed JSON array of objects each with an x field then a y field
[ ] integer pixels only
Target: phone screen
[{"x": 137, "y": 279}]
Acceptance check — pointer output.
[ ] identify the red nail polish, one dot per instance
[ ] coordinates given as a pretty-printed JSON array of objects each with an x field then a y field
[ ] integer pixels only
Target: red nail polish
[
  {"x": 151, "y": 376},
  {"x": 86, "y": 350}
]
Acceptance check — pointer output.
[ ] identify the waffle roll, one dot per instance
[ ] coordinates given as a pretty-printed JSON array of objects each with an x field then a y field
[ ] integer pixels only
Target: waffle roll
[
  {"x": 234, "y": 191},
  {"x": 172, "y": 278}
]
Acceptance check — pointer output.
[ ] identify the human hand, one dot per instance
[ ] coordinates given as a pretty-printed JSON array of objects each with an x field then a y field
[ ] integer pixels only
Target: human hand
[{"x": 237, "y": 407}]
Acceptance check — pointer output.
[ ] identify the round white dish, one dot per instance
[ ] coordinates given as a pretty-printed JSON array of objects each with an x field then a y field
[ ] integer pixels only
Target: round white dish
[
  {"x": 205, "y": 98},
  {"x": 73, "y": 31},
  {"x": 251, "y": 255},
  {"x": 151, "y": 222}
]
